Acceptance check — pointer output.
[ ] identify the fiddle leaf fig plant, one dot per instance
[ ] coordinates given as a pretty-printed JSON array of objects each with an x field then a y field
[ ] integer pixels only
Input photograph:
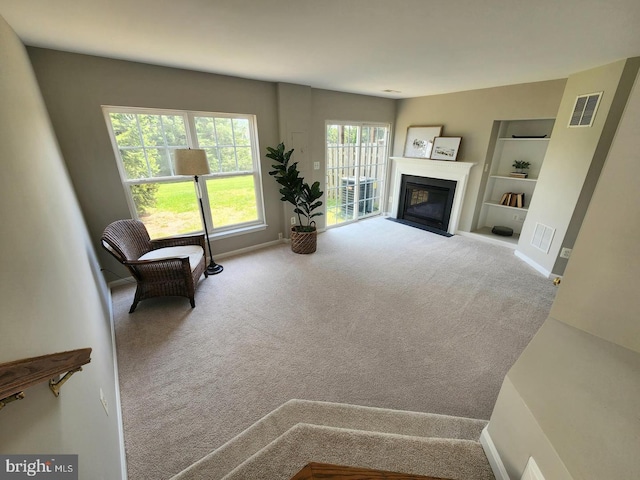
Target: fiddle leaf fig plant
[{"x": 304, "y": 197}]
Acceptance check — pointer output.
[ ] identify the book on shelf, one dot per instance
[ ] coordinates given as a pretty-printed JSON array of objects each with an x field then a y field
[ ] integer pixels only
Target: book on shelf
[
  {"x": 511, "y": 199},
  {"x": 506, "y": 199},
  {"x": 518, "y": 175}
]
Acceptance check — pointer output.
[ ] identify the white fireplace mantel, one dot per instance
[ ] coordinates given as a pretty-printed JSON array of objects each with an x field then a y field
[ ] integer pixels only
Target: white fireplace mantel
[{"x": 457, "y": 171}]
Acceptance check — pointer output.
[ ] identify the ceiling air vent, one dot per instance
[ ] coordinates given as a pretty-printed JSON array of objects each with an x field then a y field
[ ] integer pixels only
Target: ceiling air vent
[{"x": 584, "y": 111}]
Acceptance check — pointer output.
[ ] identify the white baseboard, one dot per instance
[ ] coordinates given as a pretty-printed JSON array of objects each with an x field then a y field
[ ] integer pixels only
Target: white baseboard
[
  {"x": 122, "y": 281},
  {"x": 260, "y": 246},
  {"x": 493, "y": 456},
  {"x": 118, "y": 403},
  {"x": 533, "y": 264}
]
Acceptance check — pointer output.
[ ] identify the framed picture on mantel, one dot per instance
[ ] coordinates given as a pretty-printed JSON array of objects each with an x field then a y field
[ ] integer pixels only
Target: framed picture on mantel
[
  {"x": 445, "y": 148},
  {"x": 420, "y": 140}
]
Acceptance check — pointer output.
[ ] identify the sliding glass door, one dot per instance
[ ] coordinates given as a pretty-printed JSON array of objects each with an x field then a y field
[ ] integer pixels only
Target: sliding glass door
[{"x": 356, "y": 159}]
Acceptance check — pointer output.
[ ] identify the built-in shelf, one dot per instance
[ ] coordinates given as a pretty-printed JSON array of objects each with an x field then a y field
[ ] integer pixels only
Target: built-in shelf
[
  {"x": 511, "y": 139},
  {"x": 17, "y": 376},
  {"x": 485, "y": 233},
  {"x": 493, "y": 204},
  {"x": 517, "y": 179},
  {"x": 505, "y": 151}
]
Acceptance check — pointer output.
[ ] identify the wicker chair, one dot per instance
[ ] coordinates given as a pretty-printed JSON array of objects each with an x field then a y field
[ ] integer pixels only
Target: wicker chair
[{"x": 164, "y": 267}]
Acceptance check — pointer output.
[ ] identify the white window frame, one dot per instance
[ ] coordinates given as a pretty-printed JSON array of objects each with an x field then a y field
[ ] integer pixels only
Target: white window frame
[
  {"x": 383, "y": 194},
  {"x": 192, "y": 142}
]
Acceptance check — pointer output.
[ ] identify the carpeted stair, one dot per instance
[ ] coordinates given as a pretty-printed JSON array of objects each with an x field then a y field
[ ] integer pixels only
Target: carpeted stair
[{"x": 301, "y": 431}]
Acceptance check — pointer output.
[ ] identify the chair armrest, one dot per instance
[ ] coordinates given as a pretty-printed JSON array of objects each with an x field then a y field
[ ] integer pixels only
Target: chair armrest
[{"x": 197, "y": 239}]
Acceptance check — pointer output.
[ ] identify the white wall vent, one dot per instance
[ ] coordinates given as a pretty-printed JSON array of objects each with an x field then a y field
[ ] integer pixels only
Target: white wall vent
[
  {"x": 542, "y": 236},
  {"x": 584, "y": 110}
]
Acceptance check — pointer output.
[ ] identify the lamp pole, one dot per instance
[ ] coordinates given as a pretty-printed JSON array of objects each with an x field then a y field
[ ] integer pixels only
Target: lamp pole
[
  {"x": 213, "y": 268},
  {"x": 194, "y": 162}
]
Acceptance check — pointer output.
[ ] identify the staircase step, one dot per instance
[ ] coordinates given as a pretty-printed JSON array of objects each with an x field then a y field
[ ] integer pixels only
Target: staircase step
[
  {"x": 326, "y": 471},
  {"x": 366, "y": 419},
  {"x": 435, "y": 457}
]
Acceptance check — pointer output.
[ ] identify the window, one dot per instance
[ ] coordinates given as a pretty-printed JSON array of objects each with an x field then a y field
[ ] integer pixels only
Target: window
[
  {"x": 144, "y": 141},
  {"x": 356, "y": 159}
]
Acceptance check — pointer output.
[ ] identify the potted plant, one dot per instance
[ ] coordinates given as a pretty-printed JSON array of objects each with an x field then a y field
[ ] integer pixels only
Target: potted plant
[
  {"x": 520, "y": 167},
  {"x": 303, "y": 197}
]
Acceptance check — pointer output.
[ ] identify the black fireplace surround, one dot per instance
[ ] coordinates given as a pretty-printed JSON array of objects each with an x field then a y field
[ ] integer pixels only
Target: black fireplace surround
[{"x": 426, "y": 203}]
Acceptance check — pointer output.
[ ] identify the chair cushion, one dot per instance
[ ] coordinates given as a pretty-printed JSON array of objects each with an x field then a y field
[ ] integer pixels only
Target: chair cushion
[{"x": 194, "y": 252}]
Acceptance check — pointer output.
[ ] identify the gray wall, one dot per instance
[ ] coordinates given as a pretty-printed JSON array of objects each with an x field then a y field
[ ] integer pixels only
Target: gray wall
[
  {"x": 76, "y": 86},
  {"x": 571, "y": 399},
  {"x": 52, "y": 294},
  {"x": 327, "y": 105},
  {"x": 294, "y": 107},
  {"x": 304, "y": 112},
  {"x": 470, "y": 115},
  {"x": 574, "y": 156},
  {"x": 601, "y": 294},
  {"x": 621, "y": 96}
]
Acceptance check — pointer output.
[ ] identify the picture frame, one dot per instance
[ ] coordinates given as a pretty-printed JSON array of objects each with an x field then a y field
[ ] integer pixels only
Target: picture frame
[
  {"x": 419, "y": 142},
  {"x": 445, "y": 148}
]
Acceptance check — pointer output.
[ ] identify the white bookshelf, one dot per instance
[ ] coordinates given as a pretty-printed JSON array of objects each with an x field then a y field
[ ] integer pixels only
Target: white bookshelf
[{"x": 507, "y": 150}]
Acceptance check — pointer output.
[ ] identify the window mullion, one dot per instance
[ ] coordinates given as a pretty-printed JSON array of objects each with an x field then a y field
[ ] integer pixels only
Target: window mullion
[
  {"x": 235, "y": 145},
  {"x": 192, "y": 141},
  {"x": 206, "y": 204},
  {"x": 144, "y": 148},
  {"x": 166, "y": 144},
  {"x": 190, "y": 130},
  {"x": 356, "y": 172},
  {"x": 217, "y": 148}
]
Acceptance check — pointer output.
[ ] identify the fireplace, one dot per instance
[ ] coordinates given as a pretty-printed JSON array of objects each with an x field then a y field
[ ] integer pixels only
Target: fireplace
[
  {"x": 457, "y": 172},
  {"x": 426, "y": 203}
]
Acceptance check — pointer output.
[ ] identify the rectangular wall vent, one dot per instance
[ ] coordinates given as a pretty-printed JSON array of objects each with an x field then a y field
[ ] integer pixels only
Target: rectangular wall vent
[
  {"x": 584, "y": 110},
  {"x": 542, "y": 236}
]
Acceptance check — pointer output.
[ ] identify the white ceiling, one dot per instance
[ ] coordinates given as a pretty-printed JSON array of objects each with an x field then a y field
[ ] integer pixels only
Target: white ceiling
[{"x": 418, "y": 47}]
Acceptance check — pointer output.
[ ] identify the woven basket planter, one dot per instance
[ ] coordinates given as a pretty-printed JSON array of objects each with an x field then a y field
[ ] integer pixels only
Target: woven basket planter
[{"x": 303, "y": 242}]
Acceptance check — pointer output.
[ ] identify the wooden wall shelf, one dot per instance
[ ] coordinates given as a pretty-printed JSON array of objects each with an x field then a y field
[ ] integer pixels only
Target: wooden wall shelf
[{"x": 19, "y": 375}]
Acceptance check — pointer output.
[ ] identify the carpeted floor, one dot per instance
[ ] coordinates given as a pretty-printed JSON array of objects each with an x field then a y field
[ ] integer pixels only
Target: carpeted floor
[
  {"x": 381, "y": 315},
  {"x": 300, "y": 431}
]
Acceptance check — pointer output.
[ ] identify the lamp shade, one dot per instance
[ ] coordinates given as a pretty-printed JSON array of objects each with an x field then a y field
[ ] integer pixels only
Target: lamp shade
[{"x": 192, "y": 161}]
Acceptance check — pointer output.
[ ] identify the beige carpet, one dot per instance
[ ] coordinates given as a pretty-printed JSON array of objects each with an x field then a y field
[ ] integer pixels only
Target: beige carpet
[
  {"x": 381, "y": 315},
  {"x": 444, "y": 458},
  {"x": 300, "y": 431}
]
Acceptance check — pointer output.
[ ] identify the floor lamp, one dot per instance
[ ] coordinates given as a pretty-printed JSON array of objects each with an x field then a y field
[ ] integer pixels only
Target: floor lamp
[{"x": 194, "y": 162}]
